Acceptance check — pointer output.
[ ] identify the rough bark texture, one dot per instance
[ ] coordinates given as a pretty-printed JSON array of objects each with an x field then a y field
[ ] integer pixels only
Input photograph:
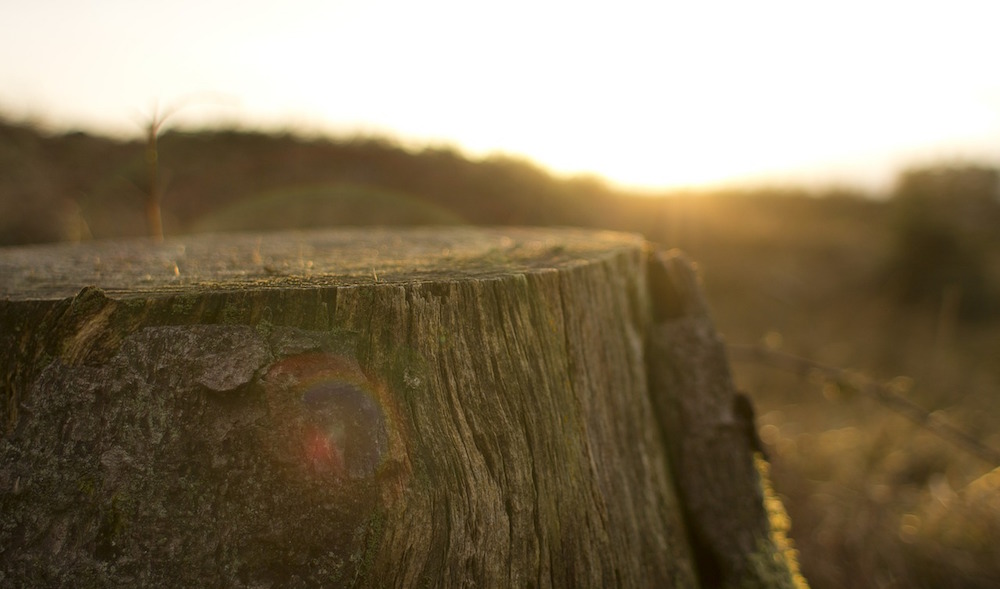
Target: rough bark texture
[
  {"x": 711, "y": 436},
  {"x": 432, "y": 408}
]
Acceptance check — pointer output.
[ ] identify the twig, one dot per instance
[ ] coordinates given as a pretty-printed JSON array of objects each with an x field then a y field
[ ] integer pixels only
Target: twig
[
  {"x": 154, "y": 196},
  {"x": 152, "y": 127},
  {"x": 875, "y": 390}
]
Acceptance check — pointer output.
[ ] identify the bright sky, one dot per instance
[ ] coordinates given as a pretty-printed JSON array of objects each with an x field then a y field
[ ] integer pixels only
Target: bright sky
[{"x": 656, "y": 94}]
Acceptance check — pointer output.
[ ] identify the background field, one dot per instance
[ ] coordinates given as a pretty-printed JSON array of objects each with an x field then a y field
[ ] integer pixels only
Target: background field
[{"x": 902, "y": 288}]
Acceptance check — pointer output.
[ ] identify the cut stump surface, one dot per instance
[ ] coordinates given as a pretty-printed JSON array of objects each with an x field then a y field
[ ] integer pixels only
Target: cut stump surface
[{"x": 435, "y": 407}]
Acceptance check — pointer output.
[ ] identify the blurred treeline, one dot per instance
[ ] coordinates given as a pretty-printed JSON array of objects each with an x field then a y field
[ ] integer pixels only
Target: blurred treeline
[
  {"x": 63, "y": 187},
  {"x": 72, "y": 186},
  {"x": 934, "y": 241},
  {"x": 901, "y": 287}
]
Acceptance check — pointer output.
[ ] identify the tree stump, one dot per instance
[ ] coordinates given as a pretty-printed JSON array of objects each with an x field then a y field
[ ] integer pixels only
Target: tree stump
[{"x": 369, "y": 408}]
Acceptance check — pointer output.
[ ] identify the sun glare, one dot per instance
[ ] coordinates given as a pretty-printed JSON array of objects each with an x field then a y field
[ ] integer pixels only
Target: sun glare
[{"x": 645, "y": 94}]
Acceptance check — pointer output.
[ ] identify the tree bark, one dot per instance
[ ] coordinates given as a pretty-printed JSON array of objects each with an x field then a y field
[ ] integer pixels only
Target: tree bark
[
  {"x": 367, "y": 408},
  {"x": 711, "y": 437}
]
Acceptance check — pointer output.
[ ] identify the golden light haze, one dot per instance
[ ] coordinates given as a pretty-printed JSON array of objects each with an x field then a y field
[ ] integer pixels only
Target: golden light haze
[{"x": 646, "y": 94}]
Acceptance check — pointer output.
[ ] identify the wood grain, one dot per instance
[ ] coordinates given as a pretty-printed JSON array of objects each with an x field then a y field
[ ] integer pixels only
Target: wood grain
[{"x": 428, "y": 407}]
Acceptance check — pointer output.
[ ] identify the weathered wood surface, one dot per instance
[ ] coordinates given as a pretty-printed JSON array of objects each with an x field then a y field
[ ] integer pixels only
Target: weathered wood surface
[
  {"x": 405, "y": 408},
  {"x": 712, "y": 438},
  {"x": 369, "y": 408}
]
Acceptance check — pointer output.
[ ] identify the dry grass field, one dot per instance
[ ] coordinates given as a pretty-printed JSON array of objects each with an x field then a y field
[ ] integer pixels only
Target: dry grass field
[{"x": 875, "y": 500}]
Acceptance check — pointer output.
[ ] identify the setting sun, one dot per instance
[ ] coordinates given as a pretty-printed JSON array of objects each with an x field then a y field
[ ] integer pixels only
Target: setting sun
[{"x": 645, "y": 94}]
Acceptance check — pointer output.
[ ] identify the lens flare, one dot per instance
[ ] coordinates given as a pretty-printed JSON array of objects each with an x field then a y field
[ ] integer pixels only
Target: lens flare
[
  {"x": 346, "y": 428},
  {"x": 323, "y": 453},
  {"x": 334, "y": 418}
]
